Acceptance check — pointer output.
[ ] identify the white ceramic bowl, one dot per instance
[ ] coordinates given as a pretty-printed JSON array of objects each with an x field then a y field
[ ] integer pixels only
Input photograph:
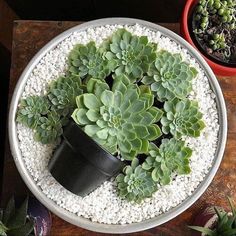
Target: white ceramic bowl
[{"x": 80, "y": 221}]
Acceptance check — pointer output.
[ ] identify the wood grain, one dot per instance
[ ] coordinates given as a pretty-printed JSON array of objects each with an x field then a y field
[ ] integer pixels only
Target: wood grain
[{"x": 28, "y": 38}]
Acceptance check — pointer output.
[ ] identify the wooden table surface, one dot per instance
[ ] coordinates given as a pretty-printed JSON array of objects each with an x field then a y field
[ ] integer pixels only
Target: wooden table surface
[{"x": 28, "y": 38}]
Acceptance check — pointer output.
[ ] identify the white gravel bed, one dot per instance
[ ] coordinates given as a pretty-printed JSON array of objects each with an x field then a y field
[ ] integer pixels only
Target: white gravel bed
[{"x": 103, "y": 205}]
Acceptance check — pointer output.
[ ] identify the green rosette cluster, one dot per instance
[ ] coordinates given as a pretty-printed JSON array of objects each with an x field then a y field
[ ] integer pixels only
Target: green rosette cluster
[
  {"x": 172, "y": 156},
  {"x": 121, "y": 119},
  {"x": 182, "y": 118},
  {"x": 128, "y": 96},
  {"x": 170, "y": 76},
  {"x": 87, "y": 60},
  {"x": 47, "y": 114},
  {"x": 135, "y": 184}
]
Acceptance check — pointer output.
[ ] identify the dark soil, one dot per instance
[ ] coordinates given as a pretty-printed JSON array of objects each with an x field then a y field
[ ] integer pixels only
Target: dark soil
[{"x": 226, "y": 56}]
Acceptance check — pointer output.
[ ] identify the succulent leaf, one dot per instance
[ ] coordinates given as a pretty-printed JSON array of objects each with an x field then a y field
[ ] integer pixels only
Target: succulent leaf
[
  {"x": 49, "y": 128},
  {"x": 182, "y": 117},
  {"x": 87, "y": 60},
  {"x": 14, "y": 221},
  {"x": 169, "y": 76},
  {"x": 171, "y": 156},
  {"x": 122, "y": 119},
  {"x": 31, "y": 109},
  {"x": 62, "y": 93},
  {"x": 131, "y": 54},
  {"x": 135, "y": 184}
]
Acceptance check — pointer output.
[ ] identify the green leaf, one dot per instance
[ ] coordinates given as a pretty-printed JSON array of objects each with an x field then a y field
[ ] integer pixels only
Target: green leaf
[
  {"x": 24, "y": 230},
  {"x": 19, "y": 218},
  {"x": 9, "y": 211},
  {"x": 91, "y": 101},
  {"x": 107, "y": 98},
  {"x": 203, "y": 230}
]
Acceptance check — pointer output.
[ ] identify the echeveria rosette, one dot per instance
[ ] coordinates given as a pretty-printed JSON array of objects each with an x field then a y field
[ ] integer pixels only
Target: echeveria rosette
[
  {"x": 169, "y": 76},
  {"x": 182, "y": 117},
  {"x": 87, "y": 60},
  {"x": 122, "y": 120},
  {"x": 31, "y": 109},
  {"x": 49, "y": 128},
  {"x": 135, "y": 183},
  {"x": 62, "y": 94},
  {"x": 171, "y": 156},
  {"x": 130, "y": 54}
]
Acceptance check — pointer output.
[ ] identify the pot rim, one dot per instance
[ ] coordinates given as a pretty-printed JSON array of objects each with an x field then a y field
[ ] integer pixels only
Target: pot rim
[
  {"x": 86, "y": 223},
  {"x": 95, "y": 154},
  {"x": 218, "y": 68}
]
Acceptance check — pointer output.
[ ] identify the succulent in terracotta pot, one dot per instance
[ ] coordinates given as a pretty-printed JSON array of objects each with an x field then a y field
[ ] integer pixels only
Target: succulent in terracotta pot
[
  {"x": 214, "y": 29},
  {"x": 210, "y": 26}
]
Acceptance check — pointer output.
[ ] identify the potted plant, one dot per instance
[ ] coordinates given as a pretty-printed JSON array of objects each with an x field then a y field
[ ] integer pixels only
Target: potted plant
[
  {"x": 215, "y": 221},
  {"x": 134, "y": 94},
  {"x": 210, "y": 27},
  {"x": 31, "y": 218},
  {"x": 115, "y": 114}
]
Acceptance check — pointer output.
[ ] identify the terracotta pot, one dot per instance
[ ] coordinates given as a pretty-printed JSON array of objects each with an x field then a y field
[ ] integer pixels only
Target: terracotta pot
[{"x": 218, "y": 69}]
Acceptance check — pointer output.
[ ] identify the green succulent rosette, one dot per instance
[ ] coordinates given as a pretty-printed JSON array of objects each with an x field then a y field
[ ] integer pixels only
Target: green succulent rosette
[
  {"x": 182, "y": 117},
  {"x": 130, "y": 54},
  {"x": 49, "y": 128},
  {"x": 31, "y": 109},
  {"x": 171, "y": 156},
  {"x": 135, "y": 184},
  {"x": 87, "y": 60},
  {"x": 122, "y": 119},
  {"x": 169, "y": 76},
  {"x": 62, "y": 93}
]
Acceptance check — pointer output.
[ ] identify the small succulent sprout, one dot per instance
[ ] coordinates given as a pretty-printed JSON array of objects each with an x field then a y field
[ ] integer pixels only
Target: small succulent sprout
[
  {"x": 182, "y": 117},
  {"x": 217, "y": 42},
  {"x": 49, "y": 128},
  {"x": 170, "y": 76},
  {"x": 87, "y": 60},
  {"x": 135, "y": 183},
  {"x": 122, "y": 120},
  {"x": 62, "y": 94},
  {"x": 31, "y": 109},
  {"x": 131, "y": 54},
  {"x": 171, "y": 156}
]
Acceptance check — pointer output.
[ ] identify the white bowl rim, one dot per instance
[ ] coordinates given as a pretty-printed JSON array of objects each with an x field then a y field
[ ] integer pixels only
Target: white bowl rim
[{"x": 86, "y": 223}]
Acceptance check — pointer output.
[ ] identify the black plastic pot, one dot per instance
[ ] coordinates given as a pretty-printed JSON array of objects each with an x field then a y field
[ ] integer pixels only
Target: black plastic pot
[{"x": 79, "y": 164}]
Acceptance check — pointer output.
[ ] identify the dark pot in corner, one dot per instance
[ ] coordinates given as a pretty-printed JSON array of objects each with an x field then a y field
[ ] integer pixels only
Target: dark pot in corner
[
  {"x": 41, "y": 217},
  {"x": 79, "y": 164}
]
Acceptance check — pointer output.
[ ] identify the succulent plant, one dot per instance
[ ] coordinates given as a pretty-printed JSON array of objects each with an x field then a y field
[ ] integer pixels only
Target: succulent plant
[
  {"x": 62, "y": 93},
  {"x": 131, "y": 54},
  {"x": 182, "y": 117},
  {"x": 31, "y": 109},
  {"x": 225, "y": 224},
  {"x": 135, "y": 184},
  {"x": 87, "y": 60},
  {"x": 122, "y": 120},
  {"x": 223, "y": 10},
  {"x": 49, "y": 128},
  {"x": 169, "y": 76},
  {"x": 14, "y": 222},
  {"x": 171, "y": 156}
]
